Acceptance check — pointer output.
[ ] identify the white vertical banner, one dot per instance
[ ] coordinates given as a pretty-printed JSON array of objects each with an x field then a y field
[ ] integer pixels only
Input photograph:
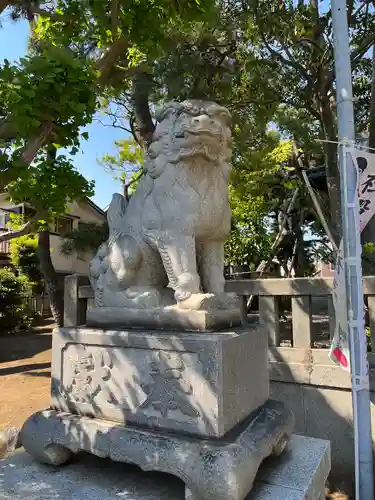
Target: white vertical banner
[{"x": 365, "y": 163}]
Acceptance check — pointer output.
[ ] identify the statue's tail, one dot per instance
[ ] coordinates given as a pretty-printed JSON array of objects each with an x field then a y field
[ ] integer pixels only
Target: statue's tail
[{"x": 115, "y": 216}]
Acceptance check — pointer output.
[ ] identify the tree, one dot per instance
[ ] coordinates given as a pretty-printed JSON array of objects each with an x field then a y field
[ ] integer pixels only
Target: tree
[
  {"x": 127, "y": 165},
  {"x": 83, "y": 47},
  {"x": 212, "y": 60},
  {"x": 14, "y": 311},
  {"x": 79, "y": 49},
  {"x": 24, "y": 257},
  {"x": 78, "y": 32},
  {"x": 272, "y": 62},
  {"x": 47, "y": 186},
  {"x": 86, "y": 239},
  {"x": 304, "y": 73},
  {"x": 242, "y": 54}
]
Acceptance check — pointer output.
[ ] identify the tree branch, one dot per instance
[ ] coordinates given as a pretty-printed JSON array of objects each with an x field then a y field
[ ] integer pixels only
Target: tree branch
[
  {"x": 114, "y": 124},
  {"x": 127, "y": 185},
  {"x": 25, "y": 229},
  {"x": 33, "y": 10},
  {"x": 353, "y": 16},
  {"x": 33, "y": 145},
  {"x": 106, "y": 63},
  {"x": 133, "y": 130},
  {"x": 288, "y": 62},
  {"x": 114, "y": 18},
  {"x": 362, "y": 49},
  {"x": 37, "y": 11},
  {"x": 117, "y": 75}
]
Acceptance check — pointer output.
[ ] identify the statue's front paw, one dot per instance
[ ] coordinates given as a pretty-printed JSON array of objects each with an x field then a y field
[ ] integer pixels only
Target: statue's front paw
[
  {"x": 182, "y": 295},
  {"x": 210, "y": 302},
  {"x": 187, "y": 284}
]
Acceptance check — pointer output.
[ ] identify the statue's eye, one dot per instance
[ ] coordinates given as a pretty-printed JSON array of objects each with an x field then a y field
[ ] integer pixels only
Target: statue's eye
[{"x": 225, "y": 118}]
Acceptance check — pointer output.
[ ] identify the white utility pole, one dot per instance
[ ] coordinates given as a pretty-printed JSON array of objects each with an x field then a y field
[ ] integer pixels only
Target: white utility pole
[{"x": 352, "y": 257}]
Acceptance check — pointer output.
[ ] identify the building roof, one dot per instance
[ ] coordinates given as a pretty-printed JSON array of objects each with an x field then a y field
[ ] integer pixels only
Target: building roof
[{"x": 95, "y": 206}]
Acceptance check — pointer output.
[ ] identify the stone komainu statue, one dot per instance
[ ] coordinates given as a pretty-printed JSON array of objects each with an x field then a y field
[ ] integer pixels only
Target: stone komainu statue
[{"x": 170, "y": 236}]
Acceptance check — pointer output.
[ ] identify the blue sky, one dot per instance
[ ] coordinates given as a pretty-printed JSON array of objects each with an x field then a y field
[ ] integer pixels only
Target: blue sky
[{"x": 13, "y": 44}]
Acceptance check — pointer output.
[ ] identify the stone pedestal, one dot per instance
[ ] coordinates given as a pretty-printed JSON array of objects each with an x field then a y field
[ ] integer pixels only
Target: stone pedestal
[
  {"x": 299, "y": 473},
  {"x": 195, "y": 405},
  {"x": 222, "y": 469},
  {"x": 170, "y": 318},
  {"x": 198, "y": 383}
]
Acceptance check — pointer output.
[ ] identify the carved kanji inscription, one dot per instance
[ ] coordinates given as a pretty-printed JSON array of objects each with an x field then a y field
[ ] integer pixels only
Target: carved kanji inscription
[{"x": 169, "y": 390}]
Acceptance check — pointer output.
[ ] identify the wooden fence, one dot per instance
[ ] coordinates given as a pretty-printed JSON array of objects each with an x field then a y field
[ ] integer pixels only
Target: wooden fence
[{"x": 38, "y": 304}]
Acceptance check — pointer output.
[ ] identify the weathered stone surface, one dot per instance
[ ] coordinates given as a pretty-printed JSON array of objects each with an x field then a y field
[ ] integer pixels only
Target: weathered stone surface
[
  {"x": 197, "y": 383},
  {"x": 306, "y": 470},
  {"x": 8, "y": 440},
  {"x": 74, "y": 309},
  {"x": 92, "y": 478},
  {"x": 170, "y": 236},
  {"x": 222, "y": 469},
  {"x": 164, "y": 318}
]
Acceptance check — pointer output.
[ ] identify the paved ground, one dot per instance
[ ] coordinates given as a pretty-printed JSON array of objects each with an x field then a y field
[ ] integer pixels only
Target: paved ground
[
  {"x": 88, "y": 478},
  {"x": 92, "y": 478}
]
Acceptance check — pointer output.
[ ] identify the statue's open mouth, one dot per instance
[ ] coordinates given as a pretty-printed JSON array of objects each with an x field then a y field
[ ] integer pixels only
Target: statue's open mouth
[{"x": 203, "y": 131}]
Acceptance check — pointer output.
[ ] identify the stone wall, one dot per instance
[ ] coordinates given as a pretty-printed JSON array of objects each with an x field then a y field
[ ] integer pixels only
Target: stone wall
[{"x": 319, "y": 394}]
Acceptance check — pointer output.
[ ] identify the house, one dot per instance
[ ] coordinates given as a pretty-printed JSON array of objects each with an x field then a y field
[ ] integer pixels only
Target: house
[{"x": 78, "y": 213}]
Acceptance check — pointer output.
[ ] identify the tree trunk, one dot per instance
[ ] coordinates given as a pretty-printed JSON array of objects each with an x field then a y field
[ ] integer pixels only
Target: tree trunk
[
  {"x": 332, "y": 173},
  {"x": 368, "y": 234},
  {"x": 55, "y": 293},
  {"x": 143, "y": 125},
  {"x": 371, "y": 141},
  {"x": 333, "y": 186}
]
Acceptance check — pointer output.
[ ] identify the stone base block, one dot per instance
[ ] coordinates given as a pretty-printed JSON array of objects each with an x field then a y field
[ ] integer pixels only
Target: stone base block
[
  {"x": 222, "y": 469},
  {"x": 298, "y": 474},
  {"x": 164, "y": 318},
  {"x": 201, "y": 384}
]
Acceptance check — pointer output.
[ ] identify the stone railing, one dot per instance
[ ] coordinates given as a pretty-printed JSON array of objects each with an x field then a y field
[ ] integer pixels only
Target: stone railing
[
  {"x": 298, "y": 350},
  {"x": 302, "y": 292},
  {"x": 301, "y": 373}
]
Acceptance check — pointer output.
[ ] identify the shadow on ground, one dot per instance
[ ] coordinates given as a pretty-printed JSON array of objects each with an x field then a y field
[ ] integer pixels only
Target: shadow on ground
[
  {"x": 86, "y": 476},
  {"x": 27, "y": 368},
  {"x": 24, "y": 345}
]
